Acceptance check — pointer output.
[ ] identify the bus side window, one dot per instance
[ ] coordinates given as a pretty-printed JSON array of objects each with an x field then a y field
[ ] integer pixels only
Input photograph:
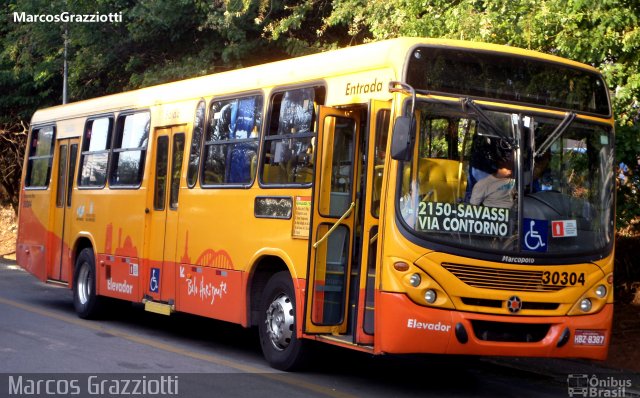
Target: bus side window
[
  {"x": 231, "y": 145},
  {"x": 382, "y": 135},
  {"x": 40, "y": 157},
  {"x": 73, "y": 155},
  {"x": 95, "y": 152},
  {"x": 290, "y": 140},
  {"x": 62, "y": 176},
  {"x": 130, "y": 149},
  {"x": 196, "y": 145}
]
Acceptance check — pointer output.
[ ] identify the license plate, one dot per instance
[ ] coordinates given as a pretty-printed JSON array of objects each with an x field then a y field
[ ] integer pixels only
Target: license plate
[{"x": 589, "y": 337}]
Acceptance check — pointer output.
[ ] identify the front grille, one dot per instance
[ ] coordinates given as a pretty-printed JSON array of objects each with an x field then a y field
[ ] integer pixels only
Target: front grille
[
  {"x": 482, "y": 302},
  {"x": 500, "y": 279},
  {"x": 510, "y": 332},
  {"x": 526, "y": 305},
  {"x": 532, "y": 305}
]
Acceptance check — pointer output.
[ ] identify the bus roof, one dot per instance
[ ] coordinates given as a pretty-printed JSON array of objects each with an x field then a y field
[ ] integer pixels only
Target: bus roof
[{"x": 390, "y": 54}]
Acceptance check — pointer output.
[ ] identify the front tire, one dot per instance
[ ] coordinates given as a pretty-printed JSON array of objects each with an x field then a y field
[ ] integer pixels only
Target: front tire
[
  {"x": 87, "y": 303},
  {"x": 277, "y": 325}
]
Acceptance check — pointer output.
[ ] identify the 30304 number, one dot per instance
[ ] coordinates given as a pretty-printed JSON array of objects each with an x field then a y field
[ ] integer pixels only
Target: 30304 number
[{"x": 562, "y": 278}]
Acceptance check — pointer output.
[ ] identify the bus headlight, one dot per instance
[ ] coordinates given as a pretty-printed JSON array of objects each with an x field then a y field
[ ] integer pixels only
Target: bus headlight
[
  {"x": 585, "y": 305},
  {"x": 430, "y": 296},
  {"x": 417, "y": 284},
  {"x": 593, "y": 299}
]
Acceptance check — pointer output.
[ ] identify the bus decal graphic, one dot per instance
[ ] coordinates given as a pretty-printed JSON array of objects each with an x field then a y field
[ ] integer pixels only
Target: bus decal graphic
[
  {"x": 438, "y": 327},
  {"x": 354, "y": 88},
  {"x": 80, "y": 212},
  {"x": 207, "y": 291},
  {"x": 154, "y": 280},
  {"x": 217, "y": 259},
  {"x": 120, "y": 287},
  {"x": 126, "y": 249},
  {"x": 208, "y": 258}
]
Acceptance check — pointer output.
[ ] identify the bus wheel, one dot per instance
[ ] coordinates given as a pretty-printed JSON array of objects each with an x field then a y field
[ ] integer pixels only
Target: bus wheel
[
  {"x": 277, "y": 327},
  {"x": 85, "y": 300}
]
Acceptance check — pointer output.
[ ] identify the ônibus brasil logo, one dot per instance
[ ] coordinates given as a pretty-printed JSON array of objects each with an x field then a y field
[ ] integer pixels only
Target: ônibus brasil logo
[{"x": 592, "y": 386}]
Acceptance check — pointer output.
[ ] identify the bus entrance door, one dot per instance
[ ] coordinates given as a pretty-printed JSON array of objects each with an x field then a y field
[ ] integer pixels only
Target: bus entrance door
[
  {"x": 60, "y": 263},
  {"x": 368, "y": 219},
  {"x": 162, "y": 212},
  {"x": 332, "y": 231}
]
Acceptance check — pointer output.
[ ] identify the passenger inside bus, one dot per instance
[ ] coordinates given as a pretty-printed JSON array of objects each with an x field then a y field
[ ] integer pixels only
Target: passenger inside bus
[
  {"x": 497, "y": 189},
  {"x": 290, "y": 142}
]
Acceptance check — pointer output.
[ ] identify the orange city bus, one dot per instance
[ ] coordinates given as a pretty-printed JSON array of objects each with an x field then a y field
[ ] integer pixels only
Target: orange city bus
[{"x": 342, "y": 197}]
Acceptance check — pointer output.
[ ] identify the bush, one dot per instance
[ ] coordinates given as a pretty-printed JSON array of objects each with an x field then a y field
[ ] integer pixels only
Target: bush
[
  {"x": 12, "y": 143},
  {"x": 627, "y": 267},
  {"x": 628, "y": 200}
]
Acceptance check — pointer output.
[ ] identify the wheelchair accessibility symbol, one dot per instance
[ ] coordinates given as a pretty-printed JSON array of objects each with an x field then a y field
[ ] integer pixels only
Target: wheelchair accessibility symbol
[
  {"x": 154, "y": 280},
  {"x": 535, "y": 234}
]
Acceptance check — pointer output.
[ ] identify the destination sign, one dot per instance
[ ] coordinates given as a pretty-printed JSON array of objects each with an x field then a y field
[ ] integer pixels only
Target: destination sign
[{"x": 463, "y": 218}]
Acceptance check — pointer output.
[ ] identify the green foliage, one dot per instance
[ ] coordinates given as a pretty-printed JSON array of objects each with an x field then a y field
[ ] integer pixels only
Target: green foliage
[
  {"x": 627, "y": 200},
  {"x": 156, "y": 42},
  {"x": 29, "y": 65}
]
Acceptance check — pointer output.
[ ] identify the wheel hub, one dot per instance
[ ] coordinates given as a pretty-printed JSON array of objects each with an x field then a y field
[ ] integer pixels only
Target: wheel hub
[
  {"x": 280, "y": 322},
  {"x": 84, "y": 284}
]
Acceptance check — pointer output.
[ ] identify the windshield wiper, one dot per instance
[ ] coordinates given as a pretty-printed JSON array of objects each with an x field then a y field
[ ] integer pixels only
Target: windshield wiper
[
  {"x": 482, "y": 115},
  {"x": 569, "y": 117}
]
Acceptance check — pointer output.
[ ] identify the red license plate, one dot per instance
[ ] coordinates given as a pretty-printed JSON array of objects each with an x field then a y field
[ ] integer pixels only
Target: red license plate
[{"x": 589, "y": 337}]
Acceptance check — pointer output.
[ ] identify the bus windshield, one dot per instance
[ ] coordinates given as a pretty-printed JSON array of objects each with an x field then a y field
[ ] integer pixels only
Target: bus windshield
[
  {"x": 476, "y": 180},
  {"x": 523, "y": 80}
]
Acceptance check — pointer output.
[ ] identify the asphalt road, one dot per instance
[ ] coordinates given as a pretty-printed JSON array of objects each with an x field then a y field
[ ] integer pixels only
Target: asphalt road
[{"x": 41, "y": 338}]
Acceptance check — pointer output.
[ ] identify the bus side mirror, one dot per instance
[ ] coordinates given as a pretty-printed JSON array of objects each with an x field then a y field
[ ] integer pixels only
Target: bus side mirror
[{"x": 401, "y": 141}]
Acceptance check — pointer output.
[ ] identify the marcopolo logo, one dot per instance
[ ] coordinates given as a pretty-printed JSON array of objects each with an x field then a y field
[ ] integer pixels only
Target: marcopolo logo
[
  {"x": 518, "y": 260},
  {"x": 592, "y": 386}
]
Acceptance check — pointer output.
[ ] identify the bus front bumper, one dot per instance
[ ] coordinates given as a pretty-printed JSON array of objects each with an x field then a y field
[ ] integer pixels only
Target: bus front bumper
[{"x": 405, "y": 327}]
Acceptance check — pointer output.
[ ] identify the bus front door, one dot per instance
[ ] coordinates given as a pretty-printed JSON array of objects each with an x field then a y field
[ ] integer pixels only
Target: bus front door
[
  {"x": 162, "y": 212},
  {"x": 332, "y": 230},
  {"x": 368, "y": 219},
  {"x": 60, "y": 263}
]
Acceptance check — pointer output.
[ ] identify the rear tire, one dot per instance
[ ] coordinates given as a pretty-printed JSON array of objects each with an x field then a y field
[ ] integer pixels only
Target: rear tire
[
  {"x": 277, "y": 325},
  {"x": 87, "y": 303}
]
